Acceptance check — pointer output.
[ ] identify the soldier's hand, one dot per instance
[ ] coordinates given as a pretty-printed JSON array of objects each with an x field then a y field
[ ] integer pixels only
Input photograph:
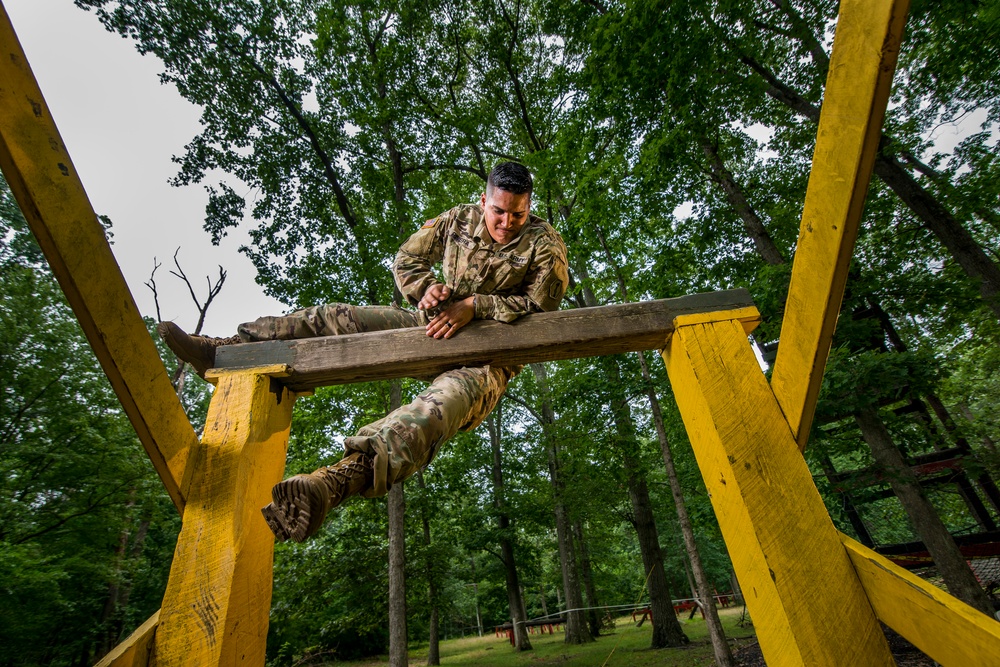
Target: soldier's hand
[
  {"x": 435, "y": 294},
  {"x": 451, "y": 319}
]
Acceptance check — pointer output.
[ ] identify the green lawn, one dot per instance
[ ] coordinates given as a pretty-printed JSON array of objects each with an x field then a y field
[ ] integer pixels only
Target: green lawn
[{"x": 627, "y": 646}]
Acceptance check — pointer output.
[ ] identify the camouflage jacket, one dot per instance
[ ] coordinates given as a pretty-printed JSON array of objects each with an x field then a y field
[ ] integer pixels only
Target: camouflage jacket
[{"x": 527, "y": 275}]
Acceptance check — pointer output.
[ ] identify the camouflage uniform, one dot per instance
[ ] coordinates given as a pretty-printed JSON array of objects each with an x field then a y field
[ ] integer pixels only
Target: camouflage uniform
[{"x": 527, "y": 275}]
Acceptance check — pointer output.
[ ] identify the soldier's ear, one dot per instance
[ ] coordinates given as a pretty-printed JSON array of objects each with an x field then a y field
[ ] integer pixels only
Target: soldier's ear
[{"x": 482, "y": 200}]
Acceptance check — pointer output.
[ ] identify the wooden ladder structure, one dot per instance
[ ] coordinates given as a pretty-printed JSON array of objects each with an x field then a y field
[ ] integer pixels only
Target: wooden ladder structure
[{"x": 815, "y": 595}]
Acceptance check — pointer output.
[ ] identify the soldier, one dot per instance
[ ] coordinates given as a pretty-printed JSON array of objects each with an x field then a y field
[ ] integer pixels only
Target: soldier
[{"x": 497, "y": 262}]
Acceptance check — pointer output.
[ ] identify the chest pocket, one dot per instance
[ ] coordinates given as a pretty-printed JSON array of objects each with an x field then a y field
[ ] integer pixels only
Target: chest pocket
[{"x": 505, "y": 274}]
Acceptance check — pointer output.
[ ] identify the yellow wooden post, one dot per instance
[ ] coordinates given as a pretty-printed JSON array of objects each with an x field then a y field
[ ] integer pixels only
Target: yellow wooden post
[
  {"x": 863, "y": 60},
  {"x": 215, "y": 609},
  {"x": 805, "y": 599},
  {"x": 48, "y": 190},
  {"x": 134, "y": 651},
  {"x": 949, "y": 631}
]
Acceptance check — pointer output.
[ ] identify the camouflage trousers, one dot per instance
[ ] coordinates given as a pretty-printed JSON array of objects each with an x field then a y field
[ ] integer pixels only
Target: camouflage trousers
[{"x": 408, "y": 438}]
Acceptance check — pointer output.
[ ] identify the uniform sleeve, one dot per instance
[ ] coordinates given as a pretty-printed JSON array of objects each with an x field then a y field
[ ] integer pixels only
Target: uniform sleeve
[
  {"x": 544, "y": 286},
  {"x": 425, "y": 248}
]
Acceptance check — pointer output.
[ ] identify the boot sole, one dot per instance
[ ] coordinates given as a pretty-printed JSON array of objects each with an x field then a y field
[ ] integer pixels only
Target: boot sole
[
  {"x": 276, "y": 522},
  {"x": 298, "y": 509}
]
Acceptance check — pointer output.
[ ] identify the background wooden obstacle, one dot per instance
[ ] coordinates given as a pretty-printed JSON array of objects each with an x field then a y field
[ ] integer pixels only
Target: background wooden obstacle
[{"x": 815, "y": 595}]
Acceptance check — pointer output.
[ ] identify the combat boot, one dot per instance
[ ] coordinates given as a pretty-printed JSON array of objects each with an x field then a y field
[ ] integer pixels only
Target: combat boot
[
  {"x": 199, "y": 351},
  {"x": 302, "y": 502}
]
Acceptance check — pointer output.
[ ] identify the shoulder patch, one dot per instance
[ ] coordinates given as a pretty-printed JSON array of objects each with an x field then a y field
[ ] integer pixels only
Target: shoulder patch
[{"x": 429, "y": 223}]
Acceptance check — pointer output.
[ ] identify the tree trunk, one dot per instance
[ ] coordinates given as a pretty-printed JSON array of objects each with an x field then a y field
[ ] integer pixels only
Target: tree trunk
[
  {"x": 434, "y": 634},
  {"x": 720, "y": 645},
  {"x": 737, "y": 591},
  {"x": 514, "y": 602},
  {"x": 957, "y": 575},
  {"x": 576, "y": 623},
  {"x": 752, "y": 223},
  {"x": 475, "y": 591},
  {"x": 593, "y": 618},
  {"x": 397, "y": 561},
  {"x": 666, "y": 630},
  {"x": 940, "y": 221}
]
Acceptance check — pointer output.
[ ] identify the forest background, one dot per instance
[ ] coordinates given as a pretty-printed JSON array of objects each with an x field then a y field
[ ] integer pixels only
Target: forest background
[{"x": 671, "y": 144}]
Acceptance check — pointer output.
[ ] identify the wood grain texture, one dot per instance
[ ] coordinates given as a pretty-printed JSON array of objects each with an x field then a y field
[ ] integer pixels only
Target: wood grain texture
[
  {"x": 564, "y": 334},
  {"x": 807, "y": 604},
  {"x": 38, "y": 168},
  {"x": 134, "y": 651},
  {"x": 862, "y": 63},
  {"x": 949, "y": 631},
  {"x": 215, "y": 609}
]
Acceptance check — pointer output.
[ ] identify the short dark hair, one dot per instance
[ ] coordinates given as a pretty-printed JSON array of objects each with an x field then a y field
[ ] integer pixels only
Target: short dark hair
[{"x": 510, "y": 176}]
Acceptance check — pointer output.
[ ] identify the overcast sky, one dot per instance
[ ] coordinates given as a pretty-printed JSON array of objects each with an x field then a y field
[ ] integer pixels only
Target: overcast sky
[{"x": 121, "y": 127}]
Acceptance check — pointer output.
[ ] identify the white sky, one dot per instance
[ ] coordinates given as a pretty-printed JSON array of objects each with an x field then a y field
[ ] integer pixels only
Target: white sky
[{"x": 121, "y": 127}]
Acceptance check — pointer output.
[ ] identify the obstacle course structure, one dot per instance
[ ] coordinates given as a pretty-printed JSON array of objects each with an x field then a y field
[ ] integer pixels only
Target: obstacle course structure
[{"x": 816, "y": 596}]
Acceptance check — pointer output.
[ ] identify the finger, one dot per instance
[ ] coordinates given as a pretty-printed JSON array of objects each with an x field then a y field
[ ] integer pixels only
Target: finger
[
  {"x": 437, "y": 327},
  {"x": 452, "y": 329}
]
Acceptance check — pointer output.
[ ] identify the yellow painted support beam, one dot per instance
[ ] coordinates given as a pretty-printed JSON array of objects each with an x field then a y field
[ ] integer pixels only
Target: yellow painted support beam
[
  {"x": 218, "y": 598},
  {"x": 862, "y": 63},
  {"x": 49, "y": 192},
  {"x": 804, "y": 596},
  {"x": 949, "y": 631},
  {"x": 134, "y": 651}
]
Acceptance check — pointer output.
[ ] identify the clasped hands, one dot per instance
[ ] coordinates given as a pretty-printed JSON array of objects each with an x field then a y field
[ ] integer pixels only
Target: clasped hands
[{"x": 452, "y": 318}]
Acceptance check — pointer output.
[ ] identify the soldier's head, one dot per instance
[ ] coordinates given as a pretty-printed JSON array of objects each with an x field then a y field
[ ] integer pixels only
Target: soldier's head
[{"x": 507, "y": 201}]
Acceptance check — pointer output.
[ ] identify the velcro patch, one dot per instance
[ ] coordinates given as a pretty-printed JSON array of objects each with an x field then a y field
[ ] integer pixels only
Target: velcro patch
[{"x": 429, "y": 223}]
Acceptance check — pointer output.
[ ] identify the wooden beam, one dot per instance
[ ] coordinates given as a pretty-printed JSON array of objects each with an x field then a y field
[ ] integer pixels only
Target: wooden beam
[
  {"x": 949, "y": 631},
  {"x": 48, "y": 189},
  {"x": 218, "y": 598},
  {"x": 862, "y": 63},
  {"x": 807, "y": 604},
  {"x": 564, "y": 334},
  {"x": 134, "y": 651}
]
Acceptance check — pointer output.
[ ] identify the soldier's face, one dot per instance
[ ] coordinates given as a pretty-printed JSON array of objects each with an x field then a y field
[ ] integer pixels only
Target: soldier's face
[{"x": 505, "y": 213}]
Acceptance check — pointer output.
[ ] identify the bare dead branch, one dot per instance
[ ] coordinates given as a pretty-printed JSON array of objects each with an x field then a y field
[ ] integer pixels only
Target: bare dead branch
[{"x": 151, "y": 284}]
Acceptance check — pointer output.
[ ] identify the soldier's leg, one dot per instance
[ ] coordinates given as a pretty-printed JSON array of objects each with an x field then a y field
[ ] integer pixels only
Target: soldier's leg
[
  {"x": 335, "y": 319},
  {"x": 330, "y": 320},
  {"x": 389, "y": 450},
  {"x": 408, "y": 438}
]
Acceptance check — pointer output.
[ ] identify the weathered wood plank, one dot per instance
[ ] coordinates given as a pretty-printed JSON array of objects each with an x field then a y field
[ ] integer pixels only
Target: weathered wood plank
[
  {"x": 49, "y": 192},
  {"x": 564, "y": 334},
  {"x": 134, "y": 651},
  {"x": 949, "y": 631},
  {"x": 806, "y": 601},
  {"x": 218, "y": 598},
  {"x": 862, "y": 63}
]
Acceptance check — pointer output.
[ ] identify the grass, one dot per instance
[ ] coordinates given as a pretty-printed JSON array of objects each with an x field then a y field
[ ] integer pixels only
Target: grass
[{"x": 626, "y": 646}]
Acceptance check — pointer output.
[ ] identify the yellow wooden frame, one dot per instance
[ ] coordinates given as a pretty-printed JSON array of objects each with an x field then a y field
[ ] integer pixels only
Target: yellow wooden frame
[{"x": 816, "y": 596}]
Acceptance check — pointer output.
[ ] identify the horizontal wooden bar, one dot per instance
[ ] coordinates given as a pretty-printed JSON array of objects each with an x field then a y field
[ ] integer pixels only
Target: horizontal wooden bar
[
  {"x": 563, "y": 334},
  {"x": 50, "y": 193},
  {"x": 949, "y": 631}
]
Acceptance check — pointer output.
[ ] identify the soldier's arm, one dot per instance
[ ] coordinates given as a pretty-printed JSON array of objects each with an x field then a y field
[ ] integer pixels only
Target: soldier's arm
[
  {"x": 412, "y": 266},
  {"x": 544, "y": 286}
]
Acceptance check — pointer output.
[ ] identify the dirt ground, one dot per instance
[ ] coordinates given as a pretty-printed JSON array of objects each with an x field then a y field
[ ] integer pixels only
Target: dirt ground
[{"x": 905, "y": 653}]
